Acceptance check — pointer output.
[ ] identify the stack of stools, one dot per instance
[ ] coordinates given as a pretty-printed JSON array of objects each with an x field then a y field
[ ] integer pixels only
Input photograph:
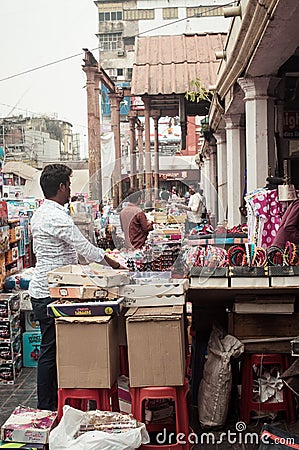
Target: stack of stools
[
  {"x": 247, "y": 405},
  {"x": 157, "y": 367}
]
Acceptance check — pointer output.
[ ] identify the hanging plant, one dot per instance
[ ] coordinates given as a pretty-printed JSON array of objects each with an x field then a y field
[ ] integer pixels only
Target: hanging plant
[{"x": 198, "y": 92}]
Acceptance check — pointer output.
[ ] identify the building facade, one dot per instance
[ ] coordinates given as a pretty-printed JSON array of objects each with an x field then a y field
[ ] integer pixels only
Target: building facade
[
  {"x": 254, "y": 115},
  {"x": 37, "y": 140}
]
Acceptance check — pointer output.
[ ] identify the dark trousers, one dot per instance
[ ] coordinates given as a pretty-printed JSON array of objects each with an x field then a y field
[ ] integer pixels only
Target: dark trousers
[
  {"x": 46, "y": 369},
  {"x": 190, "y": 225}
]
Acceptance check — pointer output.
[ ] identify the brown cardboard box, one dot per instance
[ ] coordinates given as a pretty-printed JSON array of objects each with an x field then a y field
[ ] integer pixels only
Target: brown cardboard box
[
  {"x": 156, "y": 346},
  {"x": 87, "y": 352}
]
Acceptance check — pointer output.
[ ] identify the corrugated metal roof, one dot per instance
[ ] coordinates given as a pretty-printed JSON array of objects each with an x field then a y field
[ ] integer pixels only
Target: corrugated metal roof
[{"x": 167, "y": 64}]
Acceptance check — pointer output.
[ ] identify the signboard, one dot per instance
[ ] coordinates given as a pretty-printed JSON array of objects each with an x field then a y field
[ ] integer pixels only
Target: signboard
[
  {"x": 291, "y": 125},
  {"x": 105, "y": 101},
  {"x": 182, "y": 175}
]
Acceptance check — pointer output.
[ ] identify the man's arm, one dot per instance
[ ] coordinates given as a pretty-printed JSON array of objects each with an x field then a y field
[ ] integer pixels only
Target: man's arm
[
  {"x": 145, "y": 224},
  {"x": 70, "y": 233}
]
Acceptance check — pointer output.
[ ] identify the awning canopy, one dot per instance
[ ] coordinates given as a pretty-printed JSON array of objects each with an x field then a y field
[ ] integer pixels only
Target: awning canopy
[{"x": 166, "y": 66}]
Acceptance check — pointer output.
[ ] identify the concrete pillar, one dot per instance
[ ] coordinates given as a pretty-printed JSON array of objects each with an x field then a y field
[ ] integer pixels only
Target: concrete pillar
[
  {"x": 90, "y": 72},
  {"x": 98, "y": 157},
  {"x": 235, "y": 166},
  {"x": 213, "y": 180},
  {"x": 221, "y": 174},
  {"x": 206, "y": 184},
  {"x": 156, "y": 155},
  {"x": 133, "y": 176},
  {"x": 259, "y": 109},
  {"x": 115, "y": 126},
  {"x": 140, "y": 130},
  {"x": 148, "y": 169}
]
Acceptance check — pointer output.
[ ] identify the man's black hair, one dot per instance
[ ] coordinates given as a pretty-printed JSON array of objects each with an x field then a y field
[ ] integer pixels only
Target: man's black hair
[
  {"x": 133, "y": 195},
  {"x": 51, "y": 178}
]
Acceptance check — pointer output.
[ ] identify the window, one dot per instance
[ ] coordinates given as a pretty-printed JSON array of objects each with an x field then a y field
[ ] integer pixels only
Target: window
[
  {"x": 170, "y": 13},
  {"x": 129, "y": 73},
  {"x": 120, "y": 72},
  {"x": 111, "y": 41},
  {"x": 139, "y": 14},
  {"x": 205, "y": 11},
  {"x": 110, "y": 16}
]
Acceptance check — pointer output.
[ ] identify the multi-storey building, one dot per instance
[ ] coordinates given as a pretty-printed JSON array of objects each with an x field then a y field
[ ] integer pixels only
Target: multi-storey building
[
  {"x": 37, "y": 140},
  {"x": 120, "y": 23}
]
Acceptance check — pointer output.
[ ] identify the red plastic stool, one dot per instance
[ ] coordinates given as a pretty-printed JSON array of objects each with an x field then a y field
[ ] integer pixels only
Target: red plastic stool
[
  {"x": 79, "y": 398},
  {"x": 179, "y": 395},
  {"x": 124, "y": 362},
  {"x": 247, "y": 405}
]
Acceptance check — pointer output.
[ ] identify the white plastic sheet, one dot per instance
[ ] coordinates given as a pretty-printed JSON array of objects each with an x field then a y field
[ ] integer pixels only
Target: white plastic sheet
[{"x": 62, "y": 437}]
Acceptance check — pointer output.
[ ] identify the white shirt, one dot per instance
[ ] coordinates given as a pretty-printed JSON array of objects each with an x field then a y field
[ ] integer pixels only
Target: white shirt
[
  {"x": 57, "y": 241},
  {"x": 195, "y": 204}
]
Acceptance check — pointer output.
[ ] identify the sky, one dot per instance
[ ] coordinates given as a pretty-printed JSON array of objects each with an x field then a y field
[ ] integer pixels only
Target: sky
[{"x": 38, "y": 32}]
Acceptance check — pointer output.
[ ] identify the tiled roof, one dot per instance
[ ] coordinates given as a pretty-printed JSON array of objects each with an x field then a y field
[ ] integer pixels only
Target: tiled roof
[{"x": 167, "y": 64}]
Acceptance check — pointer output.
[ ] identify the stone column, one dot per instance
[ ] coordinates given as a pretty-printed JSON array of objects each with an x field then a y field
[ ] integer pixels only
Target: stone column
[
  {"x": 259, "y": 109},
  {"x": 90, "y": 72},
  {"x": 220, "y": 136},
  {"x": 206, "y": 184},
  {"x": 98, "y": 157},
  {"x": 115, "y": 126},
  {"x": 213, "y": 180},
  {"x": 156, "y": 155},
  {"x": 235, "y": 166},
  {"x": 140, "y": 130},
  {"x": 133, "y": 176},
  {"x": 148, "y": 170}
]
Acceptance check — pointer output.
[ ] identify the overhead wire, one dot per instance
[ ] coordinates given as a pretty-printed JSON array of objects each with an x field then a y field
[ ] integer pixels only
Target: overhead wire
[{"x": 33, "y": 69}]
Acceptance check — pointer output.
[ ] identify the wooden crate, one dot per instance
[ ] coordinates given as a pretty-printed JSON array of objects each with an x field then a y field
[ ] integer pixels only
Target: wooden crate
[{"x": 267, "y": 333}]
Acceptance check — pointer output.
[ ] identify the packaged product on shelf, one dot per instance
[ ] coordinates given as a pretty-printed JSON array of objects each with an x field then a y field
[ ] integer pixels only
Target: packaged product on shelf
[
  {"x": 9, "y": 305},
  {"x": 31, "y": 347},
  {"x": 9, "y": 371}
]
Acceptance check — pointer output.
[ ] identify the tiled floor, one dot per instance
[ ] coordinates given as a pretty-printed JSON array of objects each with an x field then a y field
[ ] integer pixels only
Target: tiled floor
[{"x": 23, "y": 392}]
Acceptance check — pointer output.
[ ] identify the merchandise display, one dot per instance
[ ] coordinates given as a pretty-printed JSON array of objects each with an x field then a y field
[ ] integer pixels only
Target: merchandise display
[{"x": 28, "y": 425}]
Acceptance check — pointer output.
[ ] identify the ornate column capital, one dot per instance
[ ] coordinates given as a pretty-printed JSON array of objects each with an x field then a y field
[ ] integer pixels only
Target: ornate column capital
[
  {"x": 258, "y": 87},
  {"x": 233, "y": 121}
]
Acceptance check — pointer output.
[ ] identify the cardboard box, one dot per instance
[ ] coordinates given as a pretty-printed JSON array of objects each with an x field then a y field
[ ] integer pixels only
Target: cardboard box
[
  {"x": 25, "y": 303},
  {"x": 87, "y": 352},
  {"x": 88, "y": 275},
  {"x": 177, "y": 287},
  {"x": 208, "y": 282},
  {"x": 64, "y": 308},
  {"x": 83, "y": 292},
  {"x": 156, "y": 300},
  {"x": 247, "y": 282},
  {"x": 28, "y": 425},
  {"x": 285, "y": 281},
  {"x": 280, "y": 304},
  {"x": 156, "y": 346},
  {"x": 30, "y": 323},
  {"x": 31, "y": 348}
]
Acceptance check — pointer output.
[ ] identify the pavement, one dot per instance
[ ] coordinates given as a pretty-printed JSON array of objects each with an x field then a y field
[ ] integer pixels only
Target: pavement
[{"x": 23, "y": 392}]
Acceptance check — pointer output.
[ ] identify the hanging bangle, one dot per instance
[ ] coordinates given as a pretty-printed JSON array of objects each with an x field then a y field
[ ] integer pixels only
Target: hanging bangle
[{"x": 117, "y": 267}]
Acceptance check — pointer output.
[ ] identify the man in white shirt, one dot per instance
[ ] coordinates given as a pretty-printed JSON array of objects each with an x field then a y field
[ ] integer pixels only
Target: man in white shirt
[
  {"x": 194, "y": 209},
  {"x": 57, "y": 242}
]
